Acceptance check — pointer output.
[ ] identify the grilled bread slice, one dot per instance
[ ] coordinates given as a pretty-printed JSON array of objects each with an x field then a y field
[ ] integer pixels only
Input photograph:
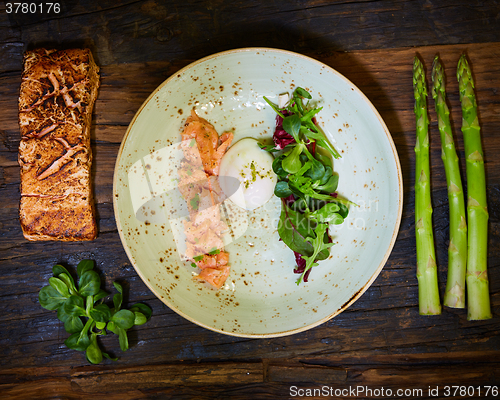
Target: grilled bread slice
[{"x": 57, "y": 95}]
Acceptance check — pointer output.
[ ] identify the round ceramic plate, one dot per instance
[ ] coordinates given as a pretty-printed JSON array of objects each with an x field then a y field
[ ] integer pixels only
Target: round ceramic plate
[{"x": 260, "y": 297}]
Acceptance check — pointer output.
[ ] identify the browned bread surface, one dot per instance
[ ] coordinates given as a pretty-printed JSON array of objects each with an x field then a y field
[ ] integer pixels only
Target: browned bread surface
[{"x": 57, "y": 94}]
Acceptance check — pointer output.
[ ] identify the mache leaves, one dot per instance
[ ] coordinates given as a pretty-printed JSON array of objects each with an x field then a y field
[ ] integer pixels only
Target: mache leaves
[{"x": 84, "y": 314}]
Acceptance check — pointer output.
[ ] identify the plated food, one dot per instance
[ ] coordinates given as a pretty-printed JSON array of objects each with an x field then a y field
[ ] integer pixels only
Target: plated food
[
  {"x": 260, "y": 297},
  {"x": 199, "y": 186},
  {"x": 57, "y": 94},
  {"x": 307, "y": 186},
  {"x": 251, "y": 168},
  {"x": 307, "y": 182}
]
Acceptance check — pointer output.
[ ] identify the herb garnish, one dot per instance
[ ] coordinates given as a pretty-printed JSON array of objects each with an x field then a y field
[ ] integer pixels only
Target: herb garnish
[
  {"x": 76, "y": 304},
  {"x": 306, "y": 182},
  {"x": 213, "y": 251},
  {"x": 195, "y": 201}
]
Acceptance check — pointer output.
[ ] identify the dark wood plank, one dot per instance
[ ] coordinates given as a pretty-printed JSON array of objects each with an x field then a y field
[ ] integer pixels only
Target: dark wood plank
[
  {"x": 393, "y": 297},
  {"x": 380, "y": 340},
  {"x": 412, "y": 376},
  {"x": 129, "y": 31}
]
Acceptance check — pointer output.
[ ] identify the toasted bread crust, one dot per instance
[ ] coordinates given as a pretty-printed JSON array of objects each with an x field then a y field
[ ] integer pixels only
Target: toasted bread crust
[{"x": 56, "y": 99}]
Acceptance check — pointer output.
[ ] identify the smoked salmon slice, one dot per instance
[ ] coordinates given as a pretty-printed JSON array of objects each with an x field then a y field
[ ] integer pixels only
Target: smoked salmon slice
[
  {"x": 207, "y": 141},
  {"x": 198, "y": 184}
]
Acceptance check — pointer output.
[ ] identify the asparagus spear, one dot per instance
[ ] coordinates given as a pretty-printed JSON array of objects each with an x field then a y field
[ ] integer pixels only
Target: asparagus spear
[
  {"x": 428, "y": 292},
  {"x": 457, "y": 251},
  {"x": 478, "y": 297}
]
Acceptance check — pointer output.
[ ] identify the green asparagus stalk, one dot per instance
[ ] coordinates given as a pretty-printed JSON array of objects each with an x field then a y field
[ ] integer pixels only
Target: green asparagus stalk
[
  {"x": 428, "y": 292},
  {"x": 478, "y": 297},
  {"x": 457, "y": 251}
]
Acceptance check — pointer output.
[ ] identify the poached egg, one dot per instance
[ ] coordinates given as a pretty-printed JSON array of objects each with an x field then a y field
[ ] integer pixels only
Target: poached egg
[{"x": 246, "y": 174}]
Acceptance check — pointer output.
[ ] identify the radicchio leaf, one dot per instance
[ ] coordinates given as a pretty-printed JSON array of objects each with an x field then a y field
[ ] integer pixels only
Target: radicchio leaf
[{"x": 281, "y": 138}]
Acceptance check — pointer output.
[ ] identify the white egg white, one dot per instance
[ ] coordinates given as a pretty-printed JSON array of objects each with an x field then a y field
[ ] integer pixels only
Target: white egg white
[{"x": 251, "y": 166}]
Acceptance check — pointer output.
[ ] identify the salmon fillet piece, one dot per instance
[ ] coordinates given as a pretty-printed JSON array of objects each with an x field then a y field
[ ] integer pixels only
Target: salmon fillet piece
[
  {"x": 199, "y": 186},
  {"x": 207, "y": 141},
  {"x": 215, "y": 276},
  {"x": 214, "y": 260},
  {"x": 56, "y": 98},
  {"x": 214, "y": 268}
]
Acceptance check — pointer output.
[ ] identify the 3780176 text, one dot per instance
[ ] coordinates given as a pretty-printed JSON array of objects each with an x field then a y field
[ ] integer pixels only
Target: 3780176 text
[{"x": 32, "y": 8}]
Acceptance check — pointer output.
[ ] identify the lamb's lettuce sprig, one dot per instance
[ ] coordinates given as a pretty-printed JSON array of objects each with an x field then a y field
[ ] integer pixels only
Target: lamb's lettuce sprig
[
  {"x": 298, "y": 121},
  {"x": 305, "y": 173},
  {"x": 84, "y": 314}
]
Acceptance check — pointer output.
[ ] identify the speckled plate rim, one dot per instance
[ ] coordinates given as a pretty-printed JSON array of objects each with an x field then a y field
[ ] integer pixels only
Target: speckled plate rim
[{"x": 397, "y": 224}]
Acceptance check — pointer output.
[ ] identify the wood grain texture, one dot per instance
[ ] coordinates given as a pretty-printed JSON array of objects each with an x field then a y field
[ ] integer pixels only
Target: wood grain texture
[
  {"x": 131, "y": 31},
  {"x": 380, "y": 340}
]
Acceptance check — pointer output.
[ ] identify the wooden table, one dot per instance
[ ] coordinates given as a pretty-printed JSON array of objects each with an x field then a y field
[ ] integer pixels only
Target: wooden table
[{"x": 380, "y": 342}]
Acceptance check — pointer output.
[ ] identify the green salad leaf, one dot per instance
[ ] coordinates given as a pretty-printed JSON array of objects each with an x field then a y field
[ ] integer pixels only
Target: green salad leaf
[
  {"x": 307, "y": 183},
  {"x": 83, "y": 313},
  {"x": 319, "y": 245}
]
